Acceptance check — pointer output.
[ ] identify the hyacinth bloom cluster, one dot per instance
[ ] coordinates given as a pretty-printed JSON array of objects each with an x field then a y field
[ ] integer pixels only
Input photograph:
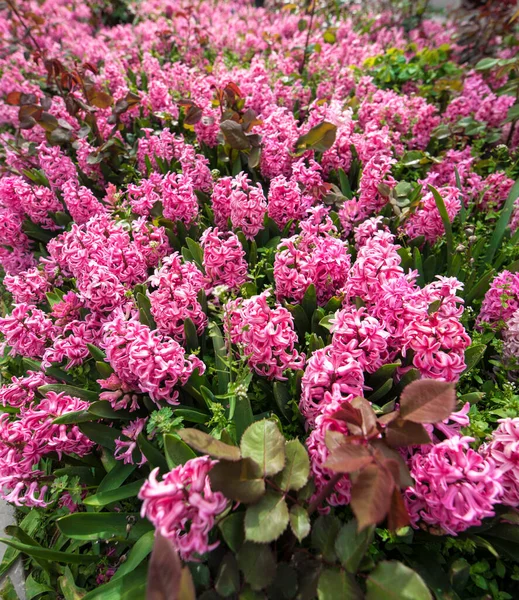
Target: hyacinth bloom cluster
[
  {"x": 427, "y": 221},
  {"x": 25, "y": 440},
  {"x": 501, "y": 301},
  {"x": 503, "y": 450},
  {"x": 174, "y": 298},
  {"x": 455, "y": 487},
  {"x": 265, "y": 335},
  {"x": 183, "y": 507},
  {"x": 145, "y": 360},
  {"x": 224, "y": 259}
]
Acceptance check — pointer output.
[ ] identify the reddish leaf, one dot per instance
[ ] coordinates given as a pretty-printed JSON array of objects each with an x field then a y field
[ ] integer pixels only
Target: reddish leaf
[
  {"x": 349, "y": 414},
  {"x": 371, "y": 495},
  {"x": 348, "y": 458},
  {"x": 193, "y": 115},
  {"x": 13, "y": 98},
  {"x": 369, "y": 418},
  {"x": 98, "y": 98},
  {"x": 207, "y": 444},
  {"x": 165, "y": 571},
  {"x": 406, "y": 433},
  {"x": 382, "y": 452},
  {"x": 427, "y": 401},
  {"x": 398, "y": 516},
  {"x": 234, "y": 135}
]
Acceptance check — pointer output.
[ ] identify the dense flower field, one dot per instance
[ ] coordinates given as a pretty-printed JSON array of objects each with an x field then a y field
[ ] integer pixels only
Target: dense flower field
[{"x": 260, "y": 330}]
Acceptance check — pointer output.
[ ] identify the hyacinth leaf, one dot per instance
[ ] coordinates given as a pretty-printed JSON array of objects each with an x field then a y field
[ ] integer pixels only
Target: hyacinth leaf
[
  {"x": 145, "y": 316},
  {"x": 473, "y": 355},
  {"x": 351, "y": 546},
  {"x": 310, "y": 301},
  {"x": 130, "y": 587},
  {"x": 108, "y": 497},
  {"x": 116, "y": 477},
  {"x": 154, "y": 456},
  {"x": 191, "y": 335},
  {"x": 96, "y": 353},
  {"x": 502, "y": 224},
  {"x": 324, "y": 534},
  {"x": 23, "y": 537},
  {"x": 104, "y": 369},
  {"x": 207, "y": 444},
  {"x": 243, "y": 415},
  {"x": 228, "y": 578},
  {"x": 177, "y": 452},
  {"x": 334, "y": 583},
  {"x": 380, "y": 392},
  {"x": 97, "y": 410},
  {"x": 233, "y": 530},
  {"x": 427, "y": 401},
  {"x": 101, "y": 434},
  {"x": 266, "y": 520},
  {"x": 440, "y": 205},
  {"x": 320, "y": 138},
  {"x": 68, "y": 586},
  {"x": 33, "y": 588},
  {"x": 196, "y": 252},
  {"x": 140, "y": 550},
  {"x": 301, "y": 321},
  {"x": 282, "y": 396},
  {"x": 258, "y": 565},
  {"x": 371, "y": 495},
  {"x": 391, "y": 580},
  {"x": 297, "y": 467},
  {"x": 39, "y": 553},
  {"x": 299, "y": 522},
  {"x": 29, "y": 524},
  {"x": 382, "y": 374},
  {"x": 265, "y": 445},
  {"x": 221, "y": 358},
  {"x": 103, "y": 526},
  {"x": 241, "y": 480}
]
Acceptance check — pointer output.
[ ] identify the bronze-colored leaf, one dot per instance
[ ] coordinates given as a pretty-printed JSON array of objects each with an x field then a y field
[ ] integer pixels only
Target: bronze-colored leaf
[
  {"x": 320, "y": 138},
  {"x": 193, "y": 115},
  {"x": 369, "y": 418},
  {"x": 165, "y": 571},
  {"x": 48, "y": 121},
  {"x": 349, "y": 414},
  {"x": 97, "y": 97},
  {"x": 207, "y": 444},
  {"x": 13, "y": 98},
  {"x": 382, "y": 451},
  {"x": 371, "y": 495},
  {"x": 398, "y": 516},
  {"x": 402, "y": 433},
  {"x": 234, "y": 135},
  {"x": 348, "y": 458},
  {"x": 427, "y": 401},
  {"x": 241, "y": 480}
]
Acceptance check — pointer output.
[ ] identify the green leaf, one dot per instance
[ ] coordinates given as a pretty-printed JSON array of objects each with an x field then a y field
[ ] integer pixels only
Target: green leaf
[
  {"x": 320, "y": 138},
  {"x": 191, "y": 335},
  {"x": 351, "y": 546},
  {"x": 68, "y": 586},
  {"x": 141, "y": 549},
  {"x": 440, "y": 205},
  {"x": 126, "y": 491},
  {"x": 33, "y": 588},
  {"x": 324, "y": 534},
  {"x": 207, "y": 444},
  {"x": 153, "y": 454},
  {"x": 220, "y": 352},
  {"x": 192, "y": 415},
  {"x": 265, "y": 445},
  {"x": 130, "y": 587},
  {"x": 233, "y": 530},
  {"x": 299, "y": 522},
  {"x": 310, "y": 301},
  {"x": 228, "y": 578},
  {"x": 487, "y": 63},
  {"x": 103, "y": 526},
  {"x": 101, "y": 434},
  {"x": 96, "y": 353},
  {"x": 297, "y": 467},
  {"x": 116, "y": 477},
  {"x": 502, "y": 224},
  {"x": 473, "y": 355},
  {"x": 104, "y": 369},
  {"x": 97, "y": 410},
  {"x": 241, "y": 480},
  {"x": 391, "y": 580},
  {"x": 334, "y": 584},
  {"x": 258, "y": 565},
  {"x": 145, "y": 316},
  {"x": 266, "y": 520},
  {"x": 177, "y": 452},
  {"x": 30, "y": 523},
  {"x": 196, "y": 252},
  {"x": 50, "y": 555},
  {"x": 282, "y": 396}
]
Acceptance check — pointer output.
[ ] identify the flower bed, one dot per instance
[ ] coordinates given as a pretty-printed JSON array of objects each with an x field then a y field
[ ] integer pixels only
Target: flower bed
[{"x": 261, "y": 303}]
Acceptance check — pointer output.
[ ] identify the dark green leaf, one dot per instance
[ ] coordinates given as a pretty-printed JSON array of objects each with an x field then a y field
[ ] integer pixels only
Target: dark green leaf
[{"x": 177, "y": 452}]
